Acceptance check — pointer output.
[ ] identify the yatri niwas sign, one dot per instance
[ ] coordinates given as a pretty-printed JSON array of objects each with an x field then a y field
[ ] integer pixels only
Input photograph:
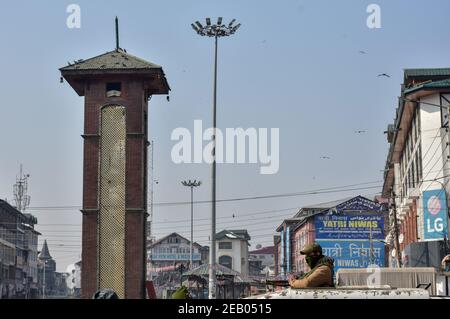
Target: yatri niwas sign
[
  {"x": 354, "y": 254},
  {"x": 349, "y": 227}
]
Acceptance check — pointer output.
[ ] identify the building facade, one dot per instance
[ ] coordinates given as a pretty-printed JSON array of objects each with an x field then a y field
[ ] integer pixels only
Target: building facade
[
  {"x": 47, "y": 272},
  {"x": 18, "y": 253},
  {"x": 168, "y": 258},
  {"x": 172, "y": 251},
  {"x": 232, "y": 250},
  {"x": 417, "y": 171},
  {"x": 351, "y": 231},
  {"x": 31, "y": 247},
  {"x": 73, "y": 280},
  {"x": 262, "y": 261}
]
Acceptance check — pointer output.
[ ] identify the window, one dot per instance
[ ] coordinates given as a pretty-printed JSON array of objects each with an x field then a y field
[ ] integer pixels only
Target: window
[
  {"x": 113, "y": 89},
  {"x": 225, "y": 245},
  {"x": 226, "y": 261}
]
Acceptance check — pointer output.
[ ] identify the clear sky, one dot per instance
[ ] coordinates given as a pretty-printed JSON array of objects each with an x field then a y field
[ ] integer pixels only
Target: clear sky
[{"x": 293, "y": 65}]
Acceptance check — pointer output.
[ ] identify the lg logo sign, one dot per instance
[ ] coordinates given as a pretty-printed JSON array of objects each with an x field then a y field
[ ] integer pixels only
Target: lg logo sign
[
  {"x": 435, "y": 214},
  {"x": 434, "y": 223},
  {"x": 435, "y": 226}
]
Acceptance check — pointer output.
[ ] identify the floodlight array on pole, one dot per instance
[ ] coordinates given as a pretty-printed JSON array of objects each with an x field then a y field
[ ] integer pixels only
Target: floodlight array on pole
[
  {"x": 192, "y": 184},
  {"x": 214, "y": 30}
]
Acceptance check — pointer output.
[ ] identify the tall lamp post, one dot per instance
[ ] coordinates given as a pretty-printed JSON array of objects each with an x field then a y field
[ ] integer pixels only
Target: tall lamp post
[
  {"x": 191, "y": 184},
  {"x": 214, "y": 30},
  {"x": 43, "y": 281}
]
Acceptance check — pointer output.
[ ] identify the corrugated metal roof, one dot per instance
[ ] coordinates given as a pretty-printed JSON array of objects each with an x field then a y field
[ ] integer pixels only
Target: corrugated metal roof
[
  {"x": 330, "y": 204},
  {"x": 220, "y": 270},
  {"x": 113, "y": 60},
  {"x": 239, "y": 233},
  {"x": 174, "y": 234},
  {"x": 203, "y": 270},
  {"x": 438, "y": 84},
  {"x": 442, "y": 84},
  {"x": 427, "y": 72},
  {"x": 264, "y": 250}
]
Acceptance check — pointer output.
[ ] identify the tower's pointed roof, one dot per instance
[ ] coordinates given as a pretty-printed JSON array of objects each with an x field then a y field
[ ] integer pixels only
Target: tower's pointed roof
[
  {"x": 116, "y": 63},
  {"x": 45, "y": 253},
  {"x": 114, "y": 60}
]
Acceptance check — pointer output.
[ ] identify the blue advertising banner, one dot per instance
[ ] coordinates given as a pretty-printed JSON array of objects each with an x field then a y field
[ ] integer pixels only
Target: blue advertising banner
[
  {"x": 353, "y": 254},
  {"x": 349, "y": 227},
  {"x": 435, "y": 214}
]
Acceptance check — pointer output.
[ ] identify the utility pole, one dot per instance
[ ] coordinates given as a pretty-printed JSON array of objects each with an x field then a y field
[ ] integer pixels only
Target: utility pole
[
  {"x": 371, "y": 258},
  {"x": 43, "y": 282},
  {"x": 192, "y": 184},
  {"x": 397, "y": 241}
]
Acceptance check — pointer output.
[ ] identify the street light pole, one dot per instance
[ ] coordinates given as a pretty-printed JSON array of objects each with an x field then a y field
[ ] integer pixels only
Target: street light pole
[
  {"x": 397, "y": 241},
  {"x": 191, "y": 184},
  {"x": 43, "y": 282},
  {"x": 214, "y": 30}
]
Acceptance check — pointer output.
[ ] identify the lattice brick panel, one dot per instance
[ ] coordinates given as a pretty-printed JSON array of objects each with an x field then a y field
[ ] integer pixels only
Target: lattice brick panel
[{"x": 112, "y": 200}]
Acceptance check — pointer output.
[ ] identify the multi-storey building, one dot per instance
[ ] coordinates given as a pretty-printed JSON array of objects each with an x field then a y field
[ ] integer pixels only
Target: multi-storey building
[
  {"x": 351, "y": 231},
  {"x": 31, "y": 255},
  {"x": 261, "y": 261},
  {"x": 417, "y": 169},
  {"x": 18, "y": 250},
  {"x": 232, "y": 250},
  {"x": 171, "y": 251}
]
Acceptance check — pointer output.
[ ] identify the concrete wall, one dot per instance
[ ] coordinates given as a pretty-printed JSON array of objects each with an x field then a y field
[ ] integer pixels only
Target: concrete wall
[{"x": 239, "y": 250}]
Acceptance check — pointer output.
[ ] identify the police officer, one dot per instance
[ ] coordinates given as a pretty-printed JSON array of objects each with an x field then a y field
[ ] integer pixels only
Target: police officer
[{"x": 322, "y": 269}]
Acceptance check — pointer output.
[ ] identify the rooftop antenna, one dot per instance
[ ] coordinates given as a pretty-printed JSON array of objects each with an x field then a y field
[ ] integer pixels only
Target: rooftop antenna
[
  {"x": 117, "y": 34},
  {"x": 21, "y": 198}
]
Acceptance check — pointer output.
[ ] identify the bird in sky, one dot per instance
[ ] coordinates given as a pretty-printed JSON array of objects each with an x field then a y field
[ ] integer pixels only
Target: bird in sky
[
  {"x": 363, "y": 52},
  {"x": 234, "y": 215},
  {"x": 325, "y": 157},
  {"x": 384, "y": 74},
  {"x": 359, "y": 132}
]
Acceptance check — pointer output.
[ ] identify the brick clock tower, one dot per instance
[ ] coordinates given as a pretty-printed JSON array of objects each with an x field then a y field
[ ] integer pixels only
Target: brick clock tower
[{"x": 116, "y": 87}]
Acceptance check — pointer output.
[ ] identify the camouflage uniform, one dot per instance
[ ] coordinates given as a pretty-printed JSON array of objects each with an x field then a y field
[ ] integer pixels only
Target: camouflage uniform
[
  {"x": 181, "y": 293},
  {"x": 322, "y": 269}
]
